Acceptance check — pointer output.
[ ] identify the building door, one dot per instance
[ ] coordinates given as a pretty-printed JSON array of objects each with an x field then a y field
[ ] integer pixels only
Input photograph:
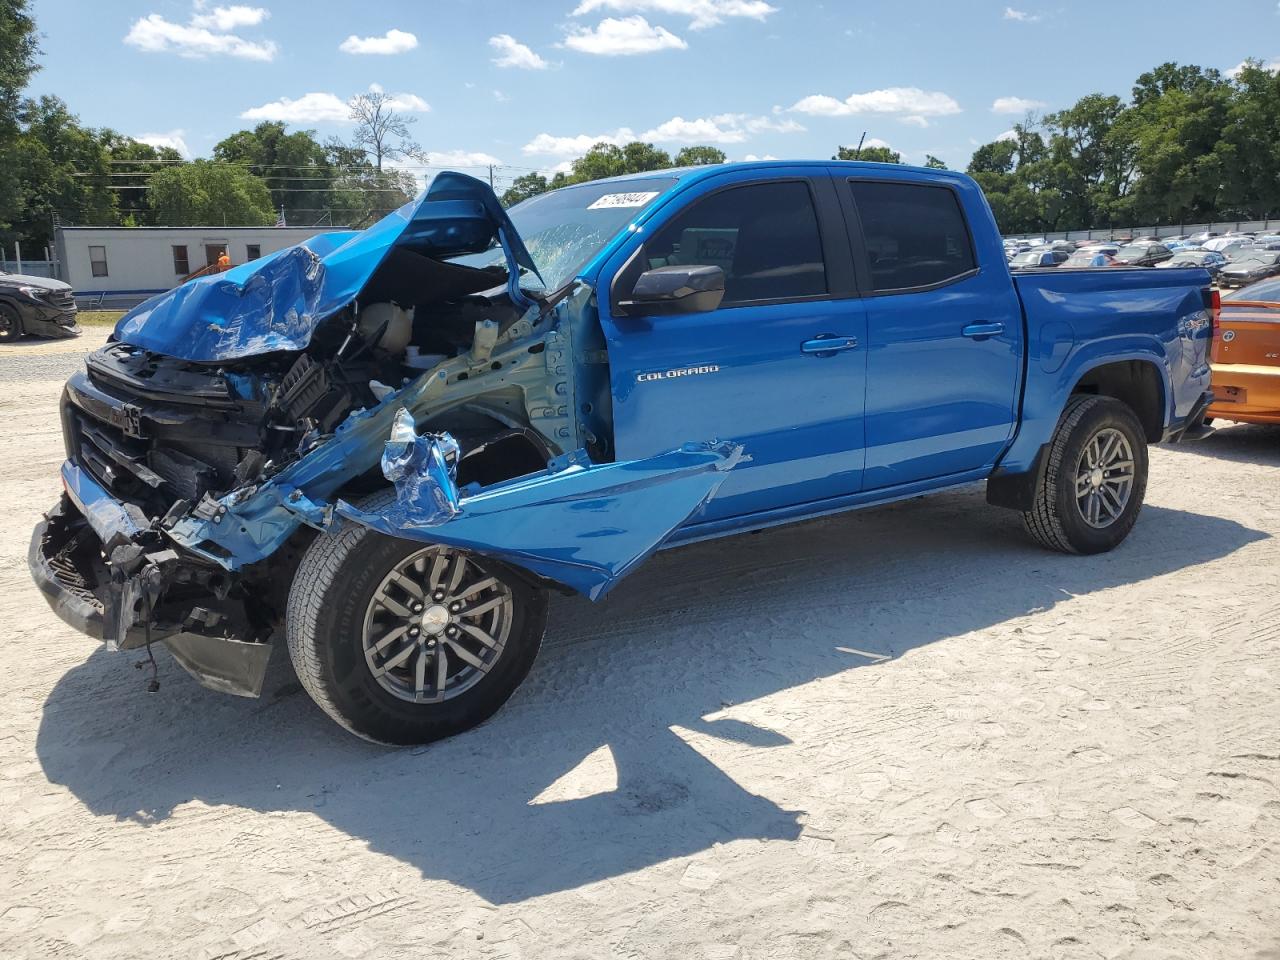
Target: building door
[{"x": 212, "y": 251}]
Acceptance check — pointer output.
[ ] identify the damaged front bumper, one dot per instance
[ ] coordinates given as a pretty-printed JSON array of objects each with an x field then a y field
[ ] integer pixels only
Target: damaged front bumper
[{"x": 117, "y": 602}]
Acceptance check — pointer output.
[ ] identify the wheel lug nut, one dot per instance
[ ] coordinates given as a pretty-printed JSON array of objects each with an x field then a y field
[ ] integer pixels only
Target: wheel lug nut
[
  {"x": 438, "y": 596},
  {"x": 451, "y": 631},
  {"x": 455, "y": 607},
  {"x": 414, "y": 631},
  {"x": 417, "y": 608}
]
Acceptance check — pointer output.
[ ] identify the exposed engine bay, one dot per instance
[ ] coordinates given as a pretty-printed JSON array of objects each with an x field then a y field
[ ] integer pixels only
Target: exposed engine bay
[{"x": 172, "y": 441}]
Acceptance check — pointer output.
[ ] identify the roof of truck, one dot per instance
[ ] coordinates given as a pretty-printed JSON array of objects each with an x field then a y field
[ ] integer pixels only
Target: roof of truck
[{"x": 709, "y": 169}]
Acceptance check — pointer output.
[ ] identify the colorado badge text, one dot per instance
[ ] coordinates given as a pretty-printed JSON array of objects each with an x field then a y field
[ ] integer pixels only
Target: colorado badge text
[{"x": 678, "y": 372}]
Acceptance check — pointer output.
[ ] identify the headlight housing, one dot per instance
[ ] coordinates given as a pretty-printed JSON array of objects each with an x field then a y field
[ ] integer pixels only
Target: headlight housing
[{"x": 34, "y": 293}]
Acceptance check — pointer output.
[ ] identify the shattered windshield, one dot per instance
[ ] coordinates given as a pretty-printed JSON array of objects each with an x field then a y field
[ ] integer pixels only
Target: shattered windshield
[{"x": 564, "y": 229}]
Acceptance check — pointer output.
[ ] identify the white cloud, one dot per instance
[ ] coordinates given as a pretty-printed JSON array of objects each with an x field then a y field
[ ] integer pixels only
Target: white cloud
[
  {"x": 454, "y": 159},
  {"x": 308, "y": 108},
  {"x": 1022, "y": 16},
  {"x": 1271, "y": 66},
  {"x": 914, "y": 121},
  {"x": 876, "y": 142},
  {"x": 630, "y": 35},
  {"x": 701, "y": 13},
  {"x": 720, "y": 128},
  {"x": 174, "y": 139},
  {"x": 1016, "y": 105},
  {"x": 751, "y": 156},
  {"x": 911, "y": 101},
  {"x": 408, "y": 103},
  {"x": 392, "y": 42},
  {"x": 545, "y": 144},
  {"x": 500, "y": 96},
  {"x": 1007, "y": 135},
  {"x": 206, "y": 35},
  {"x": 512, "y": 53},
  {"x": 224, "y": 19}
]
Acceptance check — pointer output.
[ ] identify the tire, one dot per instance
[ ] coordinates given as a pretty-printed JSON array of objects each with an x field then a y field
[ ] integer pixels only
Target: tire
[
  {"x": 336, "y": 613},
  {"x": 1063, "y": 521},
  {"x": 10, "y": 324}
]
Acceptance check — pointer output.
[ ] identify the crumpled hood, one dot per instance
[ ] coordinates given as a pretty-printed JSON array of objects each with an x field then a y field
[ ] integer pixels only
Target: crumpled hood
[{"x": 276, "y": 302}]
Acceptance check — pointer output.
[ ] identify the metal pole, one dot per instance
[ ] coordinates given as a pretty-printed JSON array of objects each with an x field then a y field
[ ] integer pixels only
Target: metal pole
[
  {"x": 17, "y": 253},
  {"x": 491, "y": 176}
]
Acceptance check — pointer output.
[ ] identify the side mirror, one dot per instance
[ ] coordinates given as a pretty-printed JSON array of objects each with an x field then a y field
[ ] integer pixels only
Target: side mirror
[{"x": 678, "y": 289}]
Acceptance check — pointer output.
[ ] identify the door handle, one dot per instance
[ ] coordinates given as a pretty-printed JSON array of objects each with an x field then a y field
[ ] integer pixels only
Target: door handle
[
  {"x": 981, "y": 331},
  {"x": 828, "y": 345}
]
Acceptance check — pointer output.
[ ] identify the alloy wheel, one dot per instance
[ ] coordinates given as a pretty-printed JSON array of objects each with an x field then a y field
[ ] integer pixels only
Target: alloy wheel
[
  {"x": 1104, "y": 478},
  {"x": 436, "y": 625}
]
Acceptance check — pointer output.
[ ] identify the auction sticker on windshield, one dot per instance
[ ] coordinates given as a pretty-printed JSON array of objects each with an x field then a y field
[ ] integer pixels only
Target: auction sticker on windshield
[{"x": 622, "y": 200}]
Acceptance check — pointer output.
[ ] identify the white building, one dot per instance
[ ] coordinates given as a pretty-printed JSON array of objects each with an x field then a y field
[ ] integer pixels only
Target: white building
[{"x": 122, "y": 266}]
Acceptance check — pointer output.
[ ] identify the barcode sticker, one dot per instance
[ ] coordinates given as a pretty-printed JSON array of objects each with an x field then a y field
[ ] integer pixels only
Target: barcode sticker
[{"x": 622, "y": 200}]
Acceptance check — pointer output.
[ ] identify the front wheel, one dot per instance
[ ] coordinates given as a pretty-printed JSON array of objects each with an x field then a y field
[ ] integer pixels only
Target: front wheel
[
  {"x": 10, "y": 324},
  {"x": 402, "y": 642},
  {"x": 1095, "y": 479}
]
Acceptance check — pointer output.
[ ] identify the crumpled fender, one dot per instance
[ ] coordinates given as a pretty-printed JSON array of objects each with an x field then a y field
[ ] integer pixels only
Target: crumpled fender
[
  {"x": 580, "y": 524},
  {"x": 278, "y": 301}
]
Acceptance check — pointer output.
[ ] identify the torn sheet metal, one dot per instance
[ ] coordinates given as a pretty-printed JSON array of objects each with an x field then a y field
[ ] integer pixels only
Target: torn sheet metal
[
  {"x": 276, "y": 302},
  {"x": 580, "y": 524}
]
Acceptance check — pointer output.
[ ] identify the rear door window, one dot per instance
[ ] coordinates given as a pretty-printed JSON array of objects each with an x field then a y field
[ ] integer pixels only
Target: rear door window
[
  {"x": 764, "y": 236},
  {"x": 915, "y": 235}
]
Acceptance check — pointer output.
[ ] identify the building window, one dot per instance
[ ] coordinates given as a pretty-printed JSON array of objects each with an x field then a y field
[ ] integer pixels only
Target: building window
[
  {"x": 98, "y": 261},
  {"x": 254, "y": 250},
  {"x": 181, "y": 265}
]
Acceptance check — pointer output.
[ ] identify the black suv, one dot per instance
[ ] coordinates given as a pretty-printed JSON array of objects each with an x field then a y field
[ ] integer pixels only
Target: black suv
[{"x": 37, "y": 306}]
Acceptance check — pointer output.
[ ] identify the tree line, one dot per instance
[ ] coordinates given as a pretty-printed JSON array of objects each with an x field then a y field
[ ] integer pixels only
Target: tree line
[
  {"x": 1189, "y": 145},
  {"x": 54, "y": 169}
]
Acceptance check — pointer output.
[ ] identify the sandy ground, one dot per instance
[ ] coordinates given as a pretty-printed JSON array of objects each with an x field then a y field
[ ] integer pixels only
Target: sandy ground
[{"x": 904, "y": 732}]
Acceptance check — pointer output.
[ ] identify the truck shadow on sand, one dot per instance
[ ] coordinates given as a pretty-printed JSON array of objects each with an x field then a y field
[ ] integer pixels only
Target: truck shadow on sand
[
  {"x": 696, "y": 629},
  {"x": 1236, "y": 442}
]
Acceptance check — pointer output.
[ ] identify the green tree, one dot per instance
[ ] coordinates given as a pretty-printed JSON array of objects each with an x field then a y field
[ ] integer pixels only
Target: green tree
[
  {"x": 295, "y": 166},
  {"x": 609, "y": 160},
  {"x": 18, "y": 51},
  {"x": 876, "y": 154},
  {"x": 204, "y": 193},
  {"x": 524, "y": 187},
  {"x": 699, "y": 156},
  {"x": 132, "y": 166},
  {"x": 933, "y": 163},
  {"x": 63, "y": 172},
  {"x": 1249, "y": 150}
]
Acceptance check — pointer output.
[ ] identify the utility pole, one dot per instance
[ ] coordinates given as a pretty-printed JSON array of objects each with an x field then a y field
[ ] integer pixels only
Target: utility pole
[
  {"x": 861, "y": 141},
  {"x": 491, "y": 176}
]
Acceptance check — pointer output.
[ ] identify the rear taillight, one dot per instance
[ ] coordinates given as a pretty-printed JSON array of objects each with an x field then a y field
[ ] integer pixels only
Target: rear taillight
[{"x": 1215, "y": 308}]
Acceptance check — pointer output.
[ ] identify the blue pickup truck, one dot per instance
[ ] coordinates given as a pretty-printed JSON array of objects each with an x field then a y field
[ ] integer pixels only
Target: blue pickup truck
[{"x": 383, "y": 448}]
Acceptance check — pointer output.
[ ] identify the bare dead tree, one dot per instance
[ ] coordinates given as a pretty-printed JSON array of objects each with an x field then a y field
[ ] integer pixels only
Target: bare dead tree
[{"x": 380, "y": 129}]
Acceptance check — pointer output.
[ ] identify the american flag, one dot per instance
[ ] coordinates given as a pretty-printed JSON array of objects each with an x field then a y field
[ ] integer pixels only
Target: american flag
[{"x": 280, "y": 219}]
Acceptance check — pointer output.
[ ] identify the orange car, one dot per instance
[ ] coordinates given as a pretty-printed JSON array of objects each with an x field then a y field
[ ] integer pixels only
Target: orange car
[{"x": 1246, "y": 362}]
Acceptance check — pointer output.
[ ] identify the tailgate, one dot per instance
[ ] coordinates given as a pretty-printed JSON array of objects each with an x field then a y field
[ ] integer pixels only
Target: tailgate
[{"x": 1248, "y": 334}]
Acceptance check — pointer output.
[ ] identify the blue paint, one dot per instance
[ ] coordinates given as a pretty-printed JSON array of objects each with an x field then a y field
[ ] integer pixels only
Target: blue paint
[
  {"x": 580, "y": 524},
  {"x": 277, "y": 301},
  {"x": 920, "y": 391}
]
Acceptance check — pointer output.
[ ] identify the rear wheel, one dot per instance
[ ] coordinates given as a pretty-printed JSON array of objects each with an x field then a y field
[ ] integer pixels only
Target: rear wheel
[
  {"x": 402, "y": 642},
  {"x": 1095, "y": 480},
  {"x": 10, "y": 324}
]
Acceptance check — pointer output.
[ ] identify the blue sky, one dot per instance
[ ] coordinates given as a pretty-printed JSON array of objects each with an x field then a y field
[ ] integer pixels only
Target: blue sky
[{"x": 528, "y": 84}]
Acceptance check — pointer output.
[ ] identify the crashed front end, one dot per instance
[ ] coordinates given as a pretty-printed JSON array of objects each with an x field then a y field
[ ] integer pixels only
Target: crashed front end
[{"x": 236, "y": 418}]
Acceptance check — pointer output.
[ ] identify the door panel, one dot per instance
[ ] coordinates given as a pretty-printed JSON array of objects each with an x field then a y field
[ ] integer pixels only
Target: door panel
[
  {"x": 747, "y": 372},
  {"x": 944, "y": 337}
]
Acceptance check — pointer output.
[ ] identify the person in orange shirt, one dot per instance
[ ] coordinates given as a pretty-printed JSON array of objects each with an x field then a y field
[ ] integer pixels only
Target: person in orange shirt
[{"x": 224, "y": 261}]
